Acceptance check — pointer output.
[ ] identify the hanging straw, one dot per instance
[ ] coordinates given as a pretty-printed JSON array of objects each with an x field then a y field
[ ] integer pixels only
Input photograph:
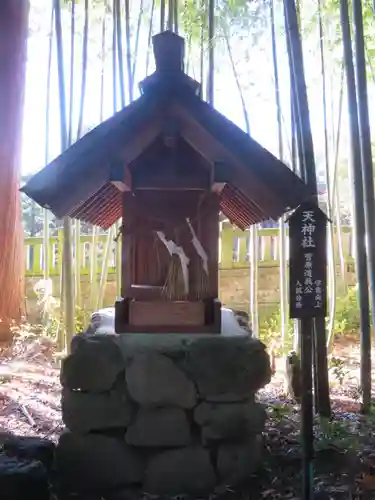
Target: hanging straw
[
  {"x": 201, "y": 268},
  {"x": 176, "y": 285}
]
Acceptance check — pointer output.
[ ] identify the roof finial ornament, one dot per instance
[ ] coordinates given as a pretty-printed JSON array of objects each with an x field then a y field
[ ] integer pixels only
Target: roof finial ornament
[{"x": 169, "y": 52}]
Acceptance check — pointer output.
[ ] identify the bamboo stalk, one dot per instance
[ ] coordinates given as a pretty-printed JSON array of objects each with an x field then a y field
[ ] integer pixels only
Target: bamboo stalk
[
  {"x": 331, "y": 250},
  {"x": 175, "y": 15},
  {"x": 131, "y": 68},
  {"x": 188, "y": 58},
  {"x": 149, "y": 36},
  {"x": 162, "y": 15},
  {"x": 339, "y": 240},
  {"x": 254, "y": 258},
  {"x": 211, "y": 53},
  {"x": 128, "y": 50},
  {"x": 93, "y": 269},
  {"x": 117, "y": 13},
  {"x": 282, "y": 229},
  {"x": 84, "y": 69},
  {"x": 359, "y": 216},
  {"x": 118, "y": 260},
  {"x": 105, "y": 265},
  {"x": 46, "y": 242},
  {"x": 60, "y": 334},
  {"x": 95, "y": 234},
  {"x": 71, "y": 89},
  {"x": 334, "y": 185},
  {"x": 296, "y": 168},
  {"x": 254, "y": 240},
  {"x": 77, "y": 262},
  {"x": 170, "y": 15},
  {"x": 76, "y": 276},
  {"x": 136, "y": 48},
  {"x": 238, "y": 83},
  {"x": 365, "y": 145},
  {"x": 102, "y": 57},
  {"x": 306, "y": 151},
  {"x": 67, "y": 244},
  {"x": 114, "y": 55},
  {"x": 77, "y": 232},
  {"x": 201, "y": 48}
]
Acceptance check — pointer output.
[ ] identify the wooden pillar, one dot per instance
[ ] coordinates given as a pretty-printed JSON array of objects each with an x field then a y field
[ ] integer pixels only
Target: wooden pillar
[{"x": 127, "y": 264}]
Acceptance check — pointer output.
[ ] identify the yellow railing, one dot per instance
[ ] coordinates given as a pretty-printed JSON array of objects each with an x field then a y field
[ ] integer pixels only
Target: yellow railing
[{"x": 233, "y": 251}]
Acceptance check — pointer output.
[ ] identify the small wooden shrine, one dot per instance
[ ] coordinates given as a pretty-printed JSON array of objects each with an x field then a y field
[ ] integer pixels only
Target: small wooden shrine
[{"x": 168, "y": 164}]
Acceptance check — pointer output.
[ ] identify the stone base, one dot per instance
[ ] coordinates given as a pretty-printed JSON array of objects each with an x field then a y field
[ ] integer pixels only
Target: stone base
[
  {"x": 167, "y": 413},
  {"x": 25, "y": 467}
]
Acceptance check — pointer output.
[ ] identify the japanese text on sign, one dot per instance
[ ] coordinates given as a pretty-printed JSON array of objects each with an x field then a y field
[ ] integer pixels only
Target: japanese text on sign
[
  {"x": 308, "y": 262},
  {"x": 308, "y": 229}
]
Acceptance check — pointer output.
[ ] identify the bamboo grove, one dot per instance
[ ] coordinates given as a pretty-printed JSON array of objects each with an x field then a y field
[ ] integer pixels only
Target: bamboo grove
[{"x": 213, "y": 32}]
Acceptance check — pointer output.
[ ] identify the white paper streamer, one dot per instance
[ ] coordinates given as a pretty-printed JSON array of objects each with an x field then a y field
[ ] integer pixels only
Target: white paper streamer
[
  {"x": 198, "y": 247},
  {"x": 175, "y": 249}
]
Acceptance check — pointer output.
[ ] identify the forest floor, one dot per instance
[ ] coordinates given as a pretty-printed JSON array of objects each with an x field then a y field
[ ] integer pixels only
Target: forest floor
[{"x": 344, "y": 465}]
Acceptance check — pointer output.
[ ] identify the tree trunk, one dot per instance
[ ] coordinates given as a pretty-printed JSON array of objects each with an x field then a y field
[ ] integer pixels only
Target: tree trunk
[
  {"x": 282, "y": 229},
  {"x": 331, "y": 256},
  {"x": 306, "y": 149},
  {"x": 211, "y": 53},
  {"x": 365, "y": 142},
  {"x": 14, "y": 16},
  {"x": 68, "y": 284},
  {"x": 254, "y": 240},
  {"x": 359, "y": 215}
]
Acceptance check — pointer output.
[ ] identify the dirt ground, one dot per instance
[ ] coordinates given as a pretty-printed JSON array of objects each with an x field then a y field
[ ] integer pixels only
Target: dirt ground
[{"x": 345, "y": 447}]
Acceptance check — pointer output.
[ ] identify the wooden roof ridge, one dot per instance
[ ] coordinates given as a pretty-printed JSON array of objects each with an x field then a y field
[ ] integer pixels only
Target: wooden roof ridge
[
  {"x": 253, "y": 157},
  {"x": 88, "y": 158},
  {"x": 258, "y": 185}
]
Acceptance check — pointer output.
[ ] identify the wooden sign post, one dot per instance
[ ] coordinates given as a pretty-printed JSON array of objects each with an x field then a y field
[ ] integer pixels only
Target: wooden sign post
[{"x": 307, "y": 300}]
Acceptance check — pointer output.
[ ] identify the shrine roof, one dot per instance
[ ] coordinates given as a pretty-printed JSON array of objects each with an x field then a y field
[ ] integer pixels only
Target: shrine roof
[{"x": 79, "y": 182}]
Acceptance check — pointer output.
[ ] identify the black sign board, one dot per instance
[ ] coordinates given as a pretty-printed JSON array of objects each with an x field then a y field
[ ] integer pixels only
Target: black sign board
[{"x": 308, "y": 262}]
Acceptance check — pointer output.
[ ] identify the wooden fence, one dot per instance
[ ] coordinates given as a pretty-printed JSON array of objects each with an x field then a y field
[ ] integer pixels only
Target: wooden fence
[{"x": 233, "y": 251}]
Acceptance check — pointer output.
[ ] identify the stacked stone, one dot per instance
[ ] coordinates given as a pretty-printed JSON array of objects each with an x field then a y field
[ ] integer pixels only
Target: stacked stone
[
  {"x": 167, "y": 414},
  {"x": 25, "y": 467}
]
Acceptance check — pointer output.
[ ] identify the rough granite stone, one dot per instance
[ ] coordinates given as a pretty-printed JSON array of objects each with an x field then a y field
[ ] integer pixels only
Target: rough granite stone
[
  {"x": 154, "y": 380},
  {"x": 236, "y": 462},
  {"x": 183, "y": 471},
  {"x": 94, "y": 365},
  {"x": 96, "y": 462},
  {"x": 89, "y": 411},
  {"x": 107, "y": 378},
  {"x": 238, "y": 366},
  {"x": 164, "y": 427},
  {"x": 229, "y": 421}
]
